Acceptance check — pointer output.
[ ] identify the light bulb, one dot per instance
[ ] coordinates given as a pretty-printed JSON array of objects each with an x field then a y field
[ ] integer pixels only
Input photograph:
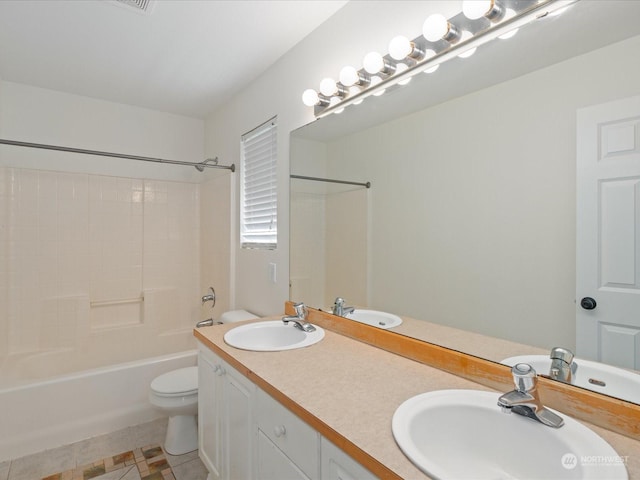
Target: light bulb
[
  {"x": 373, "y": 62},
  {"x": 349, "y": 76},
  {"x": 328, "y": 87},
  {"x": 400, "y": 47},
  {"x": 310, "y": 97},
  {"x": 475, "y": 9},
  {"x": 435, "y": 27}
]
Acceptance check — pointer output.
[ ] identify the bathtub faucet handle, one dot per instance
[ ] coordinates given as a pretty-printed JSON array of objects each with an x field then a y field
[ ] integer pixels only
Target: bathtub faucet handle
[{"x": 210, "y": 297}]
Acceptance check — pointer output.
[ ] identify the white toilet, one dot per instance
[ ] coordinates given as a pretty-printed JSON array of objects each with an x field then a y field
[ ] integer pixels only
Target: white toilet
[{"x": 176, "y": 393}]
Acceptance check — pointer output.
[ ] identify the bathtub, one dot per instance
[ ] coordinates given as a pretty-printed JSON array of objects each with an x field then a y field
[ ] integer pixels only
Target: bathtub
[{"x": 73, "y": 407}]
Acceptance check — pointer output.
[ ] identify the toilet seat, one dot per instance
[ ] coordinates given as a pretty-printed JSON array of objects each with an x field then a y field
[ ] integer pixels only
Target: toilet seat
[{"x": 176, "y": 383}]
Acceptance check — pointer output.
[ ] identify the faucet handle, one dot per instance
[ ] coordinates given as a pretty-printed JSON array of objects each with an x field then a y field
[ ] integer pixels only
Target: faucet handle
[
  {"x": 524, "y": 377},
  {"x": 210, "y": 297},
  {"x": 559, "y": 353},
  {"x": 301, "y": 310}
]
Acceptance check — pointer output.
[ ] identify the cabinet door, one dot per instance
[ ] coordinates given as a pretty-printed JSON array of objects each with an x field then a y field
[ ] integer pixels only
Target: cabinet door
[
  {"x": 337, "y": 465},
  {"x": 272, "y": 464},
  {"x": 238, "y": 425},
  {"x": 295, "y": 438},
  {"x": 209, "y": 413}
]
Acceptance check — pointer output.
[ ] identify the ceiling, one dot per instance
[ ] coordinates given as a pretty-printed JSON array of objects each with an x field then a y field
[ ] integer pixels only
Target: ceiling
[{"x": 181, "y": 56}]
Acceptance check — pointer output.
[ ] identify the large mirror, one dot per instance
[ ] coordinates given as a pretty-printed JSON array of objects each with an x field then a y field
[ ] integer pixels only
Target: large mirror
[{"x": 470, "y": 221}]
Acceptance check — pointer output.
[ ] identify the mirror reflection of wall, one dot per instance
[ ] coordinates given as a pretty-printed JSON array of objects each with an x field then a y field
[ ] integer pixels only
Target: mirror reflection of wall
[
  {"x": 472, "y": 208},
  {"x": 329, "y": 241}
]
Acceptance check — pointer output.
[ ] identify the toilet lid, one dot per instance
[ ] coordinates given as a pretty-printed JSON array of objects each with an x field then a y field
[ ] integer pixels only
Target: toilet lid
[{"x": 181, "y": 381}]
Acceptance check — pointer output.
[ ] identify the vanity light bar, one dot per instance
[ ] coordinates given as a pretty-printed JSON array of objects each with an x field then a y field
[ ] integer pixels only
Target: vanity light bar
[{"x": 458, "y": 36}]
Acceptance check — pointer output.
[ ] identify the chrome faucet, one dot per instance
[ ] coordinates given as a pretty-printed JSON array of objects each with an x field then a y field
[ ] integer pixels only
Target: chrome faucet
[
  {"x": 339, "y": 308},
  {"x": 210, "y": 297},
  {"x": 207, "y": 323},
  {"x": 524, "y": 399},
  {"x": 561, "y": 364},
  {"x": 300, "y": 318}
]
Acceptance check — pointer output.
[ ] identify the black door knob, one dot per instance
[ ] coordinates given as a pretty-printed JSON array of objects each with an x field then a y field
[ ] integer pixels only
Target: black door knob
[{"x": 588, "y": 303}]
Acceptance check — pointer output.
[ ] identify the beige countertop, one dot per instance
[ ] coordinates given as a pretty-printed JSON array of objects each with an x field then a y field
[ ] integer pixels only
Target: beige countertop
[
  {"x": 483, "y": 346},
  {"x": 351, "y": 390}
]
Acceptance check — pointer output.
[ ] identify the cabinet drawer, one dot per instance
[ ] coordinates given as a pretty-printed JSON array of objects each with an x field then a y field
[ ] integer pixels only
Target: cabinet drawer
[{"x": 292, "y": 436}]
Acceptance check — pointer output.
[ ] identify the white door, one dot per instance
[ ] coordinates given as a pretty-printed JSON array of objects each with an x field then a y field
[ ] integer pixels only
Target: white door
[{"x": 608, "y": 233}]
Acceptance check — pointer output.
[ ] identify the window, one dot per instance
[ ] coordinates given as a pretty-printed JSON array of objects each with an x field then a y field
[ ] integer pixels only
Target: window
[{"x": 258, "y": 187}]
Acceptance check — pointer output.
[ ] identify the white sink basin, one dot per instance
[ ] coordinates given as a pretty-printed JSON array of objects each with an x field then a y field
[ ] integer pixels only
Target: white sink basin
[
  {"x": 271, "y": 336},
  {"x": 375, "y": 318},
  {"x": 463, "y": 434},
  {"x": 594, "y": 376}
]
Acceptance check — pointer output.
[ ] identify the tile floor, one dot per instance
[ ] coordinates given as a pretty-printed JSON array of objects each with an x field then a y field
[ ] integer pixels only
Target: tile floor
[{"x": 105, "y": 452}]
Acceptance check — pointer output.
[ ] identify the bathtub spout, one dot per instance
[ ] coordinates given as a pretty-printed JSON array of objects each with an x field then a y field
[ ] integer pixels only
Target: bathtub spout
[{"x": 207, "y": 323}]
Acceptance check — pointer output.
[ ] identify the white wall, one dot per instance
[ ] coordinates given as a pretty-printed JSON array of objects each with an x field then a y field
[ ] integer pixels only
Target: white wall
[
  {"x": 38, "y": 115},
  {"x": 356, "y": 29}
]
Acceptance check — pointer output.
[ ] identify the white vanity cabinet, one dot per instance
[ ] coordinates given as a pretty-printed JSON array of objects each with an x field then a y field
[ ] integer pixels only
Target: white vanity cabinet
[
  {"x": 245, "y": 434},
  {"x": 287, "y": 448},
  {"x": 209, "y": 412},
  {"x": 337, "y": 465},
  {"x": 225, "y": 418}
]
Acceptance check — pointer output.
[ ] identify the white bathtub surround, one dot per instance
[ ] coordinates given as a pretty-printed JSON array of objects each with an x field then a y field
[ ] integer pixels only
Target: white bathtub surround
[
  {"x": 70, "y": 408},
  {"x": 95, "y": 270}
]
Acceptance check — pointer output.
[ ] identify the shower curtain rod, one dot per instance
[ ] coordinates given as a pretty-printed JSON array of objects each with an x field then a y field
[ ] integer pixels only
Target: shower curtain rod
[
  {"x": 330, "y": 180},
  {"x": 200, "y": 166}
]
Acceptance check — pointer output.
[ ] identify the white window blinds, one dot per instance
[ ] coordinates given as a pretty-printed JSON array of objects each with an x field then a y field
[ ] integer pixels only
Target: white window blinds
[{"x": 258, "y": 187}]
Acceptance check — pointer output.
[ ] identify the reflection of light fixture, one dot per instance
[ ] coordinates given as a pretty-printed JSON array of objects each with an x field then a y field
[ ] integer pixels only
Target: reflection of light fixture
[
  {"x": 508, "y": 14},
  {"x": 469, "y": 51},
  {"x": 428, "y": 54},
  {"x": 443, "y": 39},
  {"x": 509, "y": 34},
  {"x": 401, "y": 67},
  {"x": 375, "y": 81}
]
